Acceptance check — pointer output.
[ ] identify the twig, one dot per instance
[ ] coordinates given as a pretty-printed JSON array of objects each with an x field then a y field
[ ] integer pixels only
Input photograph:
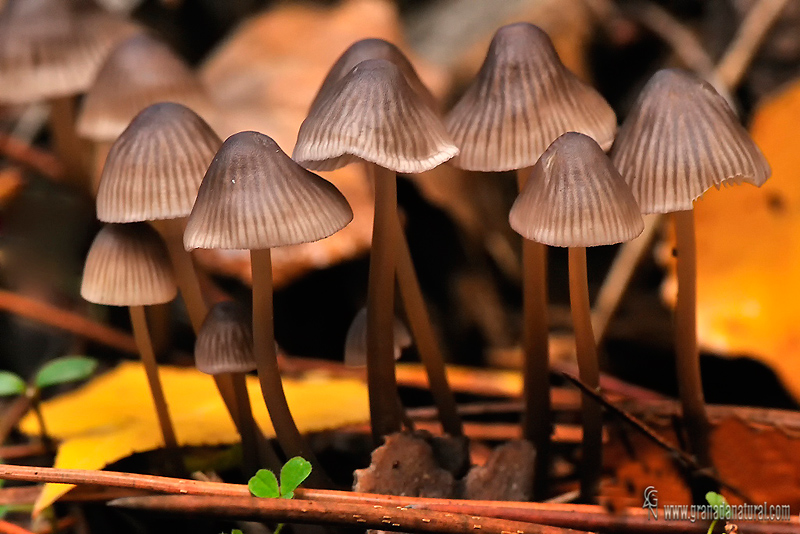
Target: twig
[
  {"x": 13, "y": 414},
  {"x": 374, "y": 516},
  {"x": 688, "y": 460},
  {"x": 740, "y": 53},
  {"x": 34, "y": 158},
  {"x": 27, "y": 495},
  {"x": 13, "y": 452},
  {"x": 11, "y": 528},
  {"x": 53, "y": 316}
]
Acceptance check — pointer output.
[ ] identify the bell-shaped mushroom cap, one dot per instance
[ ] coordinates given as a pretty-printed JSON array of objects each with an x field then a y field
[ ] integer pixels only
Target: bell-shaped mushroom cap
[
  {"x": 373, "y": 49},
  {"x": 128, "y": 265},
  {"x": 154, "y": 169},
  {"x": 355, "y": 344},
  {"x": 225, "y": 341},
  {"x": 373, "y": 114},
  {"x": 680, "y": 139},
  {"x": 255, "y": 197},
  {"x": 139, "y": 72},
  {"x": 51, "y": 49},
  {"x": 522, "y": 99},
  {"x": 575, "y": 197}
]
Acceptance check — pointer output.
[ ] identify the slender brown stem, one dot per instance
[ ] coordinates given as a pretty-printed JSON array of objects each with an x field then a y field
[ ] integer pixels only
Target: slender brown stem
[
  {"x": 13, "y": 414},
  {"x": 142, "y": 335},
  {"x": 370, "y": 516},
  {"x": 537, "y": 413},
  {"x": 36, "y": 406},
  {"x": 589, "y": 370},
  {"x": 246, "y": 424},
  {"x": 422, "y": 330},
  {"x": 269, "y": 375},
  {"x": 100, "y": 150},
  {"x": 381, "y": 379},
  {"x": 70, "y": 148},
  {"x": 690, "y": 385}
]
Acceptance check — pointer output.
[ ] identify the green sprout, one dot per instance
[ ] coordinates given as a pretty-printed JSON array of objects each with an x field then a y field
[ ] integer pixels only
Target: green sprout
[
  {"x": 721, "y": 508},
  {"x": 265, "y": 483}
]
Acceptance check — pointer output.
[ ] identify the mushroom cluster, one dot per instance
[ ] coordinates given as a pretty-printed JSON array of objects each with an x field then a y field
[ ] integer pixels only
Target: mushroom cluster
[{"x": 170, "y": 185}]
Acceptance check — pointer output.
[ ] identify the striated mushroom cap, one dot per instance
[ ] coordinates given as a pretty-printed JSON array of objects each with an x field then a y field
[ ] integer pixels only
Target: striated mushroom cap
[
  {"x": 680, "y": 139},
  {"x": 225, "y": 341},
  {"x": 522, "y": 99},
  {"x": 139, "y": 72},
  {"x": 373, "y": 114},
  {"x": 51, "y": 49},
  {"x": 154, "y": 169},
  {"x": 575, "y": 197},
  {"x": 128, "y": 265},
  {"x": 355, "y": 344},
  {"x": 255, "y": 197}
]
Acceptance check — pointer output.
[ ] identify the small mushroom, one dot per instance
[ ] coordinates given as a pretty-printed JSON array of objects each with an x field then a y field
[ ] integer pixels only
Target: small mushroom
[
  {"x": 680, "y": 139},
  {"x": 373, "y": 115},
  {"x": 355, "y": 343},
  {"x": 127, "y": 265},
  {"x": 255, "y": 197},
  {"x": 575, "y": 198}
]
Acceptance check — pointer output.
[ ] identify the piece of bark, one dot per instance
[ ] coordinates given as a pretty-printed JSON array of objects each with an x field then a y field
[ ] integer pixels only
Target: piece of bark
[{"x": 506, "y": 476}]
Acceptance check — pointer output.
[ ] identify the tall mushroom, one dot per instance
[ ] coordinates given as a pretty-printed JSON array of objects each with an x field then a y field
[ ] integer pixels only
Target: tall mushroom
[
  {"x": 680, "y": 139},
  {"x": 127, "y": 265},
  {"x": 224, "y": 346},
  {"x": 51, "y": 50},
  {"x": 255, "y": 197},
  {"x": 413, "y": 301},
  {"x": 574, "y": 197},
  {"x": 521, "y": 100},
  {"x": 139, "y": 72},
  {"x": 373, "y": 115}
]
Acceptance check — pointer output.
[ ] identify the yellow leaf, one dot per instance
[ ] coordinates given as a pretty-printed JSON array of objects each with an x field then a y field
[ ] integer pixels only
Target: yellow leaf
[
  {"x": 112, "y": 416},
  {"x": 748, "y": 242}
]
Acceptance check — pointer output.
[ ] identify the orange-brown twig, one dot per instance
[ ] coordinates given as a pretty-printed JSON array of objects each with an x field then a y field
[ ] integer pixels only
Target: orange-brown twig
[
  {"x": 10, "y": 528},
  {"x": 31, "y": 157}
]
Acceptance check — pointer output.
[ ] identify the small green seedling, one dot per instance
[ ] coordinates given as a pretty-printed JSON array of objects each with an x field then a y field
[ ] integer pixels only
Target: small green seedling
[
  {"x": 293, "y": 473},
  {"x": 721, "y": 508}
]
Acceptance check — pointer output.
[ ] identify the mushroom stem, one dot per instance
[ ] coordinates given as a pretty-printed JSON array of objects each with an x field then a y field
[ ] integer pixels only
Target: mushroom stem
[
  {"x": 70, "y": 148},
  {"x": 690, "y": 385},
  {"x": 266, "y": 357},
  {"x": 142, "y": 336},
  {"x": 381, "y": 379},
  {"x": 589, "y": 371},
  {"x": 428, "y": 346},
  {"x": 245, "y": 423},
  {"x": 536, "y": 414},
  {"x": 99, "y": 153}
]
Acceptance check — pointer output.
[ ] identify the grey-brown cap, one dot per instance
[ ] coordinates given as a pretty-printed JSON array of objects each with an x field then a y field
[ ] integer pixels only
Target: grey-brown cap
[
  {"x": 355, "y": 344},
  {"x": 679, "y": 139},
  {"x": 373, "y": 49},
  {"x": 51, "y": 48},
  {"x": 575, "y": 197},
  {"x": 225, "y": 341},
  {"x": 139, "y": 72},
  {"x": 154, "y": 169},
  {"x": 128, "y": 265},
  {"x": 522, "y": 99},
  {"x": 373, "y": 114},
  {"x": 254, "y": 196}
]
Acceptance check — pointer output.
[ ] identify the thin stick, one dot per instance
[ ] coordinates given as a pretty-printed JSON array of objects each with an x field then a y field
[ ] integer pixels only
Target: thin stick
[
  {"x": 537, "y": 413},
  {"x": 751, "y": 33},
  {"x": 269, "y": 375},
  {"x": 422, "y": 330},
  {"x": 589, "y": 369},
  {"x": 370, "y": 516},
  {"x": 619, "y": 276},
  {"x": 142, "y": 335},
  {"x": 381, "y": 379},
  {"x": 11, "y": 528},
  {"x": 11, "y": 416},
  {"x": 690, "y": 385},
  {"x": 31, "y": 157},
  {"x": 23, "y": 450},
  {"x": 64, "y": 320}
]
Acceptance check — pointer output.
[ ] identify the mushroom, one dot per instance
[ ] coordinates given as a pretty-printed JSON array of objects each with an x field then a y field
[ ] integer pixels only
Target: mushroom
[
  {"x": 139, "y": 72},
  {"x": 355, "y": 343},
  {"x": 255, "y": 197},
  {"x": 373, "y": 115},
  {"x": 574, "y": 197},
  {"x": 411, "y": 294},
  {"x": 679, "y": 139},
  {"x": 128, "y": 265},
  {"x": 521, "y": 100},
  {"x": 51, "y": 50},
  {"x": 224, "y": 346}
]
